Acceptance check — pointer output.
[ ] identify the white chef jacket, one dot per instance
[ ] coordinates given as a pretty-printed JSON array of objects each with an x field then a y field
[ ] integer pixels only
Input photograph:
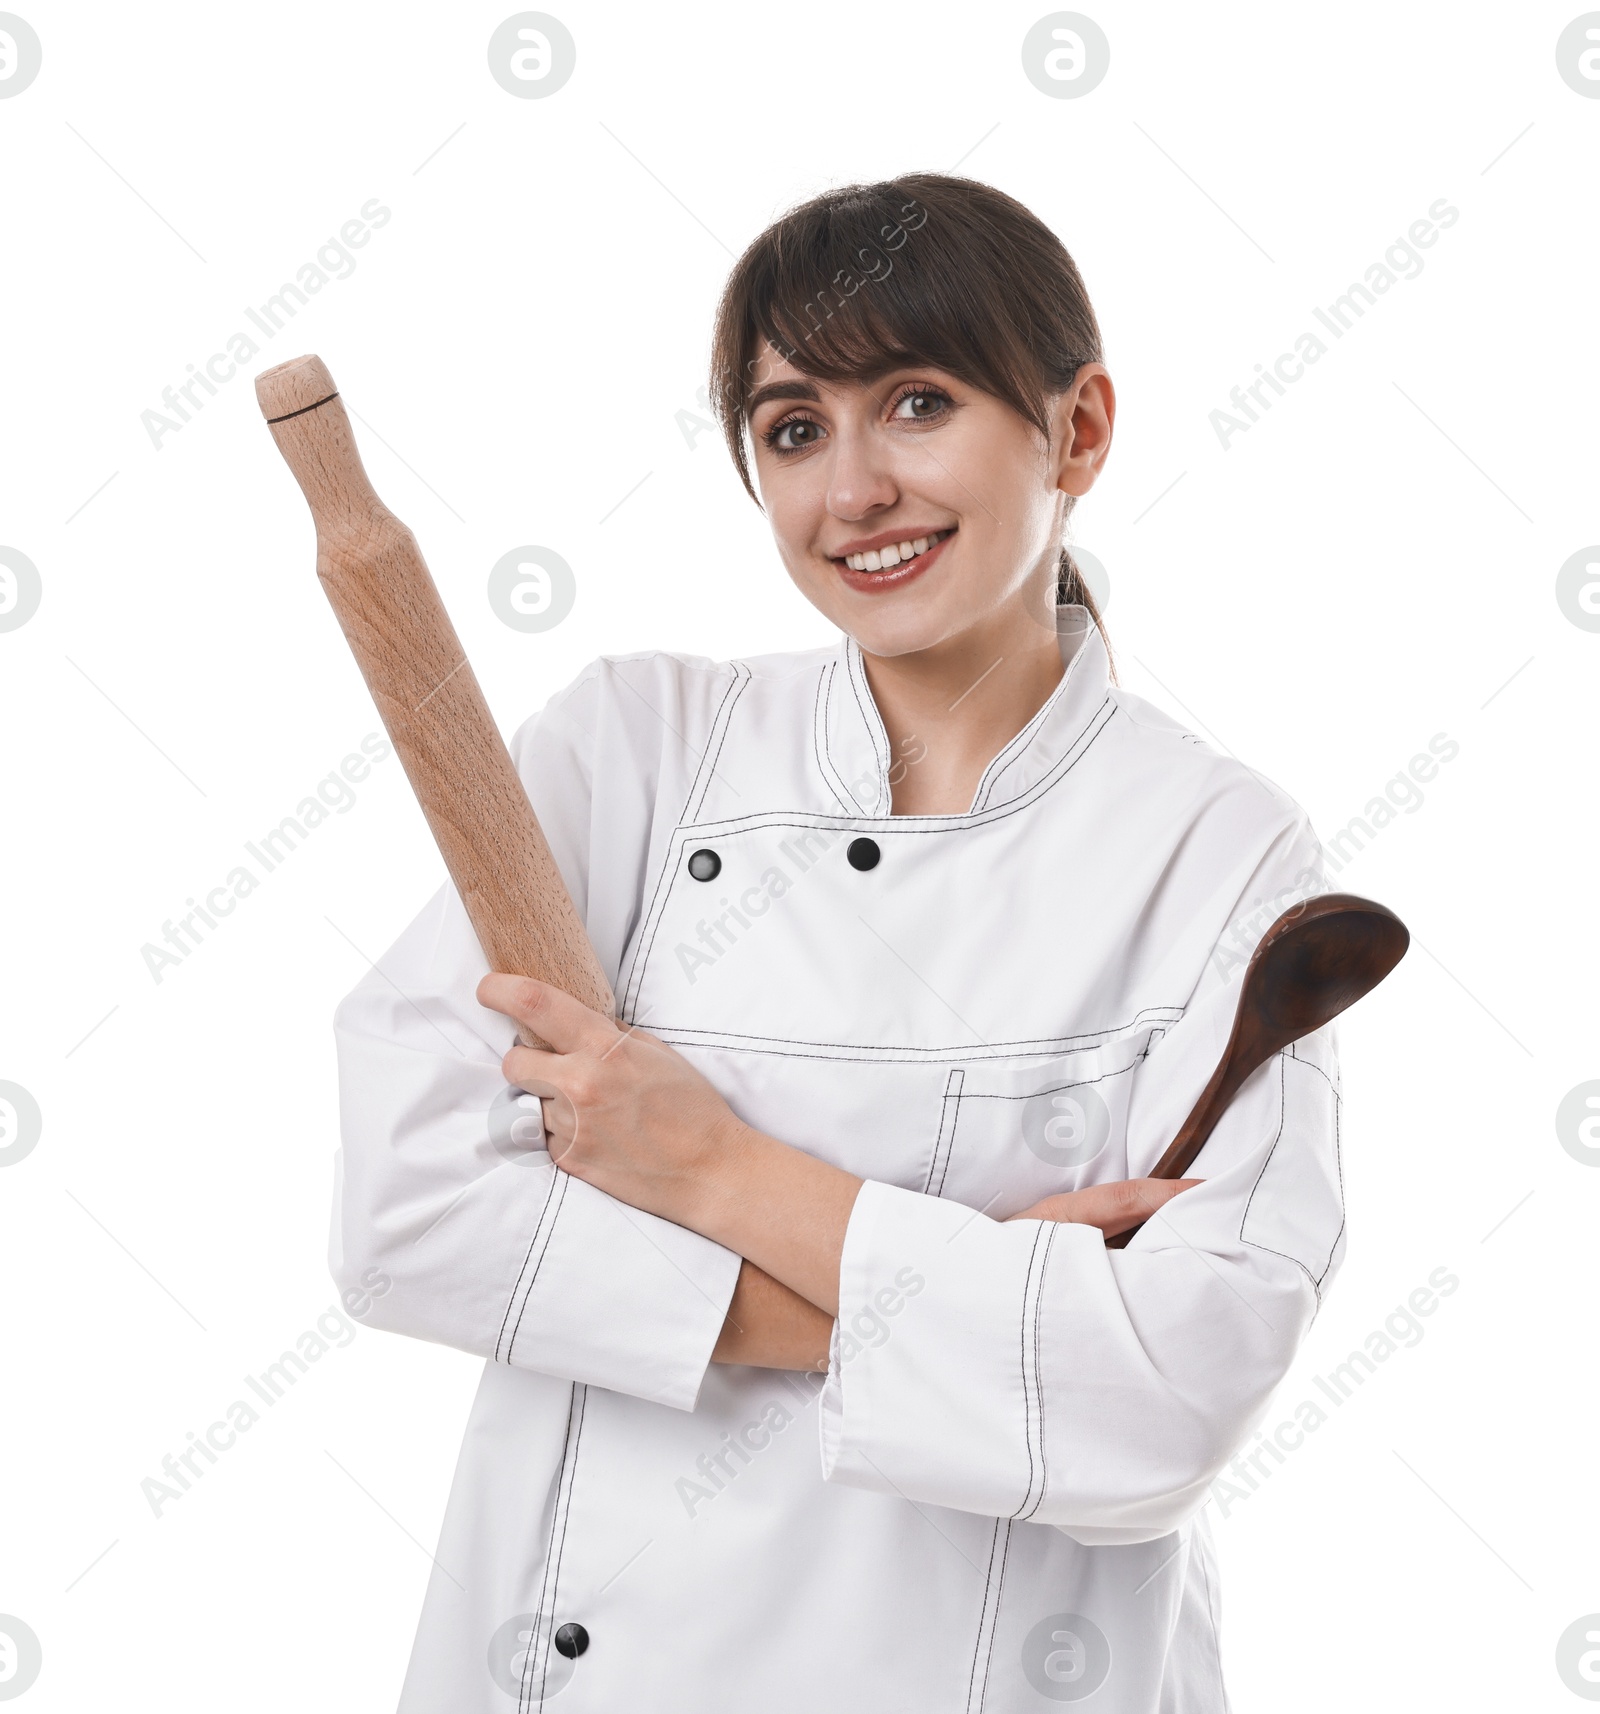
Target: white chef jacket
[{"x": 993, "y": 1499}]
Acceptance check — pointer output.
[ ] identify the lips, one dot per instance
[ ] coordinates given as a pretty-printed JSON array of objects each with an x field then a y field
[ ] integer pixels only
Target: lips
[{"x": 898, "y": 573}]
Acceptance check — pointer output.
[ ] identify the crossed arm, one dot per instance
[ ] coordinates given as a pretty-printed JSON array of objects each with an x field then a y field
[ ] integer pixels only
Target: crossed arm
[{"x": 628, "y": 1114}]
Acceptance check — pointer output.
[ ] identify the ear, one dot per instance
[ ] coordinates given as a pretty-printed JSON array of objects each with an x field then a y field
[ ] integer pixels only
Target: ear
[{"x": 1081, "y": 424}]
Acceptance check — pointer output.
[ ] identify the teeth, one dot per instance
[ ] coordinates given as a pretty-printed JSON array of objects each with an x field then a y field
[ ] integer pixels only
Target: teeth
[{"x": 881, "y": 559}]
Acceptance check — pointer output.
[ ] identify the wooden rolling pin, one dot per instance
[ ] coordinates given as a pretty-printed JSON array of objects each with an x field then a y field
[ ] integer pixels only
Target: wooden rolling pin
[{"x": 428, "y": 697}]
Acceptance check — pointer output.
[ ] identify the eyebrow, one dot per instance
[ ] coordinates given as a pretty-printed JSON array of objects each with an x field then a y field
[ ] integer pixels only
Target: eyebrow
[
  {"x": 807, "y": 390},
  {"x": 782, "y": 390}
]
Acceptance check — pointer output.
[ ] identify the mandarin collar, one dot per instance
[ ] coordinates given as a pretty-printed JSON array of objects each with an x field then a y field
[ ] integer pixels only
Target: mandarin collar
[{"x": 853, "y": 747}]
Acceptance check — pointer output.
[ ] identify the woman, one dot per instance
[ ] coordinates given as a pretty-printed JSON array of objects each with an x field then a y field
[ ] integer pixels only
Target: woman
[{"x": 811, "y": 1379}]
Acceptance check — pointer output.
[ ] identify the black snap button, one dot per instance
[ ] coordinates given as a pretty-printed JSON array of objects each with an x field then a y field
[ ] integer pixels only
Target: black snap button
[
  {"x": 863, "y": 854},
  {"x": 705, "y": 864},
  {"x": 571, "y": 1641}
]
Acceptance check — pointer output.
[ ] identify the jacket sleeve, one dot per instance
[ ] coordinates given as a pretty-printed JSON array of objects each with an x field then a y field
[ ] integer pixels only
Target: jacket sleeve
[
  {"x": 1022, "y": 1369},
  {"x": 448, "y": 1212}
]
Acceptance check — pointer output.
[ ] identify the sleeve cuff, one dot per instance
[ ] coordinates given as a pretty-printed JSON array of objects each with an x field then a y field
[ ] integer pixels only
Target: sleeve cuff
[
  {"x": 619, "y": 1298},
  {"x": 465, "y": 1242},
  {"x": 914, "y": 1270}
]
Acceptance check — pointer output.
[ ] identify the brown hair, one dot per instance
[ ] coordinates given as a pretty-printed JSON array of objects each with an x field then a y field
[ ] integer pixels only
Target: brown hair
[{"x": 925, "y": 268}]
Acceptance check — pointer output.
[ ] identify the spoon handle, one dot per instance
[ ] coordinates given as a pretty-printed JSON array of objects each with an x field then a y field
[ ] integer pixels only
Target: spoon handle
[
  {"x": 1196, "y": 1130},
  {"x": 1318, "y": 958}
]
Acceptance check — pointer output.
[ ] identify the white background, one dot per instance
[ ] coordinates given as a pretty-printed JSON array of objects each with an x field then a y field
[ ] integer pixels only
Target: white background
[{"x": 1372, "y": 564}]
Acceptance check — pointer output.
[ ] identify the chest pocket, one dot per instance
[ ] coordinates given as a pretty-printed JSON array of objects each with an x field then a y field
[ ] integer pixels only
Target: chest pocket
[{"x": 1012, "y": 1132}]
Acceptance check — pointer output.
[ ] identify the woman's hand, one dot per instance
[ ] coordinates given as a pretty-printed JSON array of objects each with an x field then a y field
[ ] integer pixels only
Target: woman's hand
[
  {"x": 622, "y": 1110},
  {"x": 1112, "y": 1207},
  {"x": 628, "y": 1114}
]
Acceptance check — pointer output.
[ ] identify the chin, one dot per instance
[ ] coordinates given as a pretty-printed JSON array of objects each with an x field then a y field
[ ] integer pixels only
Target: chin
[
  {"x": 919, "y": 616},
  {"x": 918, "y": 623}
]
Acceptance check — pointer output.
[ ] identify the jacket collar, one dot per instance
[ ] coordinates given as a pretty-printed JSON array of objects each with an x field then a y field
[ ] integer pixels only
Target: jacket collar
[{"x": 853, "y": 746}]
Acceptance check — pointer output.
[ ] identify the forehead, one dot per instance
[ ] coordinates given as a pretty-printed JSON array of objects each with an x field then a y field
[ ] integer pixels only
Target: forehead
[{"x": 768, "y": 364}]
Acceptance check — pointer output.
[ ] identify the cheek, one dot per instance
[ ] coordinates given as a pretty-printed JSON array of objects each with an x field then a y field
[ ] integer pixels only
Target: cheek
[
  {"x": 796, "y": 507},
  {"x": 1011, "y": 501},
  {"x": 975, "y": 468}
]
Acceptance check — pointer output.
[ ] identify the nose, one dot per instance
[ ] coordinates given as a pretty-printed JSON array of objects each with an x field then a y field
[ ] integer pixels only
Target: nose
[{"x": 861, "y": 477}]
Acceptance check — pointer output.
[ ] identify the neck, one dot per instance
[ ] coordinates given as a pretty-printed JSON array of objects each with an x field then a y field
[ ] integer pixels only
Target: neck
[{"x": 948, "y": 710}]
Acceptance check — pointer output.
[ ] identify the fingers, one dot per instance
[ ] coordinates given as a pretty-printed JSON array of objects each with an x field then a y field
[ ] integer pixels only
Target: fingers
[
  {"x": 548, "y": 1012},
  {"x": 533, "y": 1070},
  {"x": 1144, "y": 1196},
  {"x": 1113, "y": 1208}
]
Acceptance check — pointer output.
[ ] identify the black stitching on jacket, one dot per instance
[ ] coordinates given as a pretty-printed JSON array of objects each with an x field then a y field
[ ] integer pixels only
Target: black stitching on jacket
[
  {"x": 697, "y": 794},
  {"x": 516, "y": 1286},
  {"x": 549, "y": 1582},
  {"x": 1244, "y": 1218},
  {"x": 999, "y": 1595},
  {"x": 663, "y": 879},
  {"x": 1338, "y": 1161},
  {"x": 1020, "y": 744},
  {"x": 855, "y": 672},
  {"x": 872, "y": 1053},
  {"x": 789, "y": 818},
  {"x": 550, "y": 1232},
  {"x": 842, "y": 788},
  {"x": 724, "y": 715},
  {"x": 1051, "y": 1228},
  {"x": 947, "y": 1127},
  {"x": 825, "y": 768},
  {"x": 907, "y": 824},
  {"x": 996, "y": 1546},
  {"x": 1022, "y": 1343}
]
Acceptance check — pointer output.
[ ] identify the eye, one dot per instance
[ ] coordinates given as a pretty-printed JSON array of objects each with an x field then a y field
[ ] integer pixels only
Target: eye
[
  {"x": 793, "y": 433},
  {"x": 927, "y": 403}
]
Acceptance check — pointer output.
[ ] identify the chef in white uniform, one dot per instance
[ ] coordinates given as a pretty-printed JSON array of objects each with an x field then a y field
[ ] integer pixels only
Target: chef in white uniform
[
  {"x": 856, "y": 1048},
  {"x": 1006, "y": 1004}
]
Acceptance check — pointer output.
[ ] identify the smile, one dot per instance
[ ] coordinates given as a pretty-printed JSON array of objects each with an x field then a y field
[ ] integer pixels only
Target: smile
[{"x": 894, "y": 553}]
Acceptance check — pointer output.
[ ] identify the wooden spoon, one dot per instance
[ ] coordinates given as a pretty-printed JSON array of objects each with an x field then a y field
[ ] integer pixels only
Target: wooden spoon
[{"x": 1318, "y": 958}]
